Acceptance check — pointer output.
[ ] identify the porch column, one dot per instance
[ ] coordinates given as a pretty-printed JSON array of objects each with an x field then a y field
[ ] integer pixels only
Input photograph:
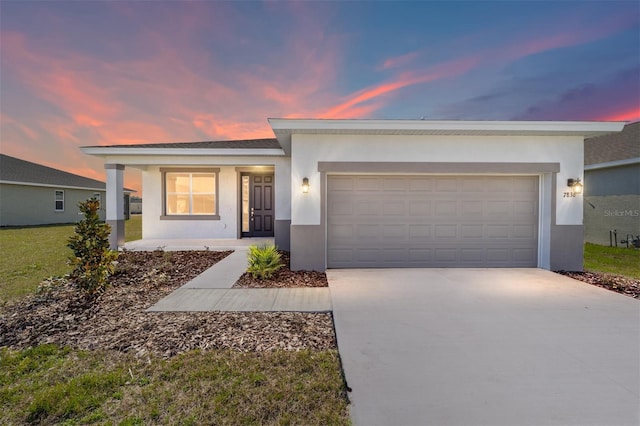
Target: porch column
[{"x": 115, "y": 203}]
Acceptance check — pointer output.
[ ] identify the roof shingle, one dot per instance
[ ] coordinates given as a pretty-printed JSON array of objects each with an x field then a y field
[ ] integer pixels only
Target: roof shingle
[
  {"x": 614, "y": 146},
  {"x": 16, "y": 170},
  {"x": 270, "y": 143}
]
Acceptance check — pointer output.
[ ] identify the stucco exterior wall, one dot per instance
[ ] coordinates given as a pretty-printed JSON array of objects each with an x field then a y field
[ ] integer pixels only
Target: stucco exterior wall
[
  {"x": 24, "y": 205},
  {"x": 561, "y": 213},
  {"x": 307, "y": 150},
  {"x": 153, "y": 227}
]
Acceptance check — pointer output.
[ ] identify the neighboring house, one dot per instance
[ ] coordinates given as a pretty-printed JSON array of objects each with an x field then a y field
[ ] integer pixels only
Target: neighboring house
[
  {"x": 33, "y": 194},
  {"x": 135, "y": 205},
  {"x": 373, "y": 193},
  {"x": 612, "y": 185}
]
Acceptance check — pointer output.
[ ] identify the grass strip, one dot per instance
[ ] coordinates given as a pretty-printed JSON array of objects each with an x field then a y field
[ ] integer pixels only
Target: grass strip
[
  {"x": 51, "y": 385},
  {"x": 32, "y": 254},
  {"x": 613, "y": 260}
]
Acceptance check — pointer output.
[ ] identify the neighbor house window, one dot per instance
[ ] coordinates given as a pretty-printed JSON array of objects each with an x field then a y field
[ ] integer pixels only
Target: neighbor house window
[
  {"x": 98, "y": 197},
  {"x": 59, "y": 201},
  {"x": 191, "y": 193}
]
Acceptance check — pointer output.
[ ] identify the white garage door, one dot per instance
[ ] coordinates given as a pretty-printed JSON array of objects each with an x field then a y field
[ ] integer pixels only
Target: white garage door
[{"x": 432, "y": 221}]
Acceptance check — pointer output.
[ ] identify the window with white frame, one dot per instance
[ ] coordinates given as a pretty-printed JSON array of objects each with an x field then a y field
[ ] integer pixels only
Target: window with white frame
[
  {"x": 190, "y": 193},
  {"x": 59, "y": 200}
]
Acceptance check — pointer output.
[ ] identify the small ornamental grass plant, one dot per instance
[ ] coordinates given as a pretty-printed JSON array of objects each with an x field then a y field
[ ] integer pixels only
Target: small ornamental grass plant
[
  {"x": 264, "y": 260},
  {"x": 92, "y": 259}
]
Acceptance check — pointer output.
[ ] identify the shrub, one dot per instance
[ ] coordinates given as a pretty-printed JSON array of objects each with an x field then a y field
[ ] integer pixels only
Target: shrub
[
  {"x": 264, "y": 260},
  {"x": 92, "y": 259}
]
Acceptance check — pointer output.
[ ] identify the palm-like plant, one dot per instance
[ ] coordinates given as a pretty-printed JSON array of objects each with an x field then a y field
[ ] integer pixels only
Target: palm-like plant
[{"x": 264, "y": 260}]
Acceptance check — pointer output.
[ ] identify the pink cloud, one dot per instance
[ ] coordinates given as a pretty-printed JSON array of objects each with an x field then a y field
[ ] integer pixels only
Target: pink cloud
[
  {"x": 399, "y": 61},
  {"x": 631, "y": 115},
  {"x": 26, "y": 131},
  {"x": 230, "y": 129},
  {"x": 440, "y": 71}
]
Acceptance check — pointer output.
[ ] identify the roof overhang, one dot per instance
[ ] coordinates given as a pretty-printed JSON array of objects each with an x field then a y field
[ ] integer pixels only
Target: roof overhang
[
  {"x": 50, "y": 185},
  {"x": 617, "y": 163},
  {"x": 115, "y": 150},
  {"x": 283, "y": 128}
]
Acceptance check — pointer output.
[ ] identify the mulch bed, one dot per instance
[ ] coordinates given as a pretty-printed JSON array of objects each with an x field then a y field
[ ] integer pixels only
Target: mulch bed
[
  {"x": 284, "y": 277},
  {"x": 617, "y": 283},
  {"x": 116, "y": 320}
]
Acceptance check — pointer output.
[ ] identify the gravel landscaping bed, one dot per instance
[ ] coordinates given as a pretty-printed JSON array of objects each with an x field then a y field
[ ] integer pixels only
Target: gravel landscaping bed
[
  {"x": 617, "y": 283},
  {"x": 284, "y": 278},
  {"x": 116, "y": 319}
]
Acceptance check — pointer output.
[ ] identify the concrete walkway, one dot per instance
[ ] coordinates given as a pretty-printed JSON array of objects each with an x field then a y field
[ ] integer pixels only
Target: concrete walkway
[
  {"x": 211, "y": 291},
  {"x": 485, "y": 347}
]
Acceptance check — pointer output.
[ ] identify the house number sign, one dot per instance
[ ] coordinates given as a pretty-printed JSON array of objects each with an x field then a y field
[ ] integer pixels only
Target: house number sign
[{"x": 569, "y": 194}]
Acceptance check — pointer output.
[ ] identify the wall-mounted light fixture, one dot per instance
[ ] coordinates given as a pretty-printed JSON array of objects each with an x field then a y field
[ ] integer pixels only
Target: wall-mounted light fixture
[
  {"x": 575, "y": 185},
  {"x": 305, "y": 185}
]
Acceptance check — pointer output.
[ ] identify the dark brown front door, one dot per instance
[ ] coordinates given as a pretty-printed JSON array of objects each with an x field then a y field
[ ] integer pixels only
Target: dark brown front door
[{"x": 258, "y": 214}]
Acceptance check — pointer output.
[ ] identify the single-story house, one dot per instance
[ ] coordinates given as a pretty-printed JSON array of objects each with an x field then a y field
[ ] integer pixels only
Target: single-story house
[
  {"x": 374, "y": 193},
  {"x": 612, "y": 185},
  {"x": 33, "y": 194}
]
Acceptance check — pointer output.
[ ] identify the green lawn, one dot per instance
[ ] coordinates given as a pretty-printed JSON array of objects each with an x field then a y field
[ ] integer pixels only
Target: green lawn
[
  {"x": 29, "y": 255},
  {"x": 614, "y": 260},
  {"x": 52, "y": 385},
  {"x": 49, "y": 385}
]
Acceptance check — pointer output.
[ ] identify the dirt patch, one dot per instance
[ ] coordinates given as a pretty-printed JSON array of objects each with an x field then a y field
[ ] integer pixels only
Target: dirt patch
[
  {"x": 617, "y": 283},
  {"x": 284, "y": 278},
  {"x": 116, "y": 319}
]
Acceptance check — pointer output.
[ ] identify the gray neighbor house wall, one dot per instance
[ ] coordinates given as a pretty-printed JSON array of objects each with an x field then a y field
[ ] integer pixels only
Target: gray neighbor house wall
[
  {"x": 23, "y": 205},
  {"x": 612, "y": 185},
  {"x": 33, "y": 194}
]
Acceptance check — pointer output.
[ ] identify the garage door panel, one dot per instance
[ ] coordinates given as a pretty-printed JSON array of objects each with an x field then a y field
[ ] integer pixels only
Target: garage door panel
[
  {"x": 472, "y": 255},
  {"x": 498, "y": 231},
  {"x": 472, "y": 231},
  {"x": 367, "y": 183},
  {"x": 391, "y": 184},
  {"x": 419, "y": 231},
  {"x": 446, "y": 231},
  {"x": 419, "y": 208},
  {"x": 342, "y": 257},
  {"x": 472, "y": 208},
  {"x": 526, "y": 207},
  {"x": 446, "y": 208},
  {"x": 499, "y": 209},
  {"x": 432, "y": 221},
  {"x": 446, "y": 184},
  {"x": 395, "y": 231},
  {"x": 445, "y": 254},
  {"x": 473, "y": 185},
  {"x": 523, "y": 231},
  {"x": 342, "y": 183},
  {"x": 419, "y": 184},
  {"x": 368, "y": 232},
  {"x": 420, "y": 255},
  {"x": 368, "y": 207}
]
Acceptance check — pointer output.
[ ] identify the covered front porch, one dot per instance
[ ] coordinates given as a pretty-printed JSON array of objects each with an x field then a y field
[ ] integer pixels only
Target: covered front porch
[{"x": 202, "y": 194}]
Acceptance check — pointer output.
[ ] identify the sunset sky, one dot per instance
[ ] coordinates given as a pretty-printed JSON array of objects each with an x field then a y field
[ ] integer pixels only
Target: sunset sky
[{"x": 102, "y": 73}]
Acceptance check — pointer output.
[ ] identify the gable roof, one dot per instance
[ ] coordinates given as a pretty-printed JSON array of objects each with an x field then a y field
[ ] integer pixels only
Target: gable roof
[
  {"x": 15, "y": 170},
  {"x": 270, "y": 143},
  {"x": 614, "y": 147}
]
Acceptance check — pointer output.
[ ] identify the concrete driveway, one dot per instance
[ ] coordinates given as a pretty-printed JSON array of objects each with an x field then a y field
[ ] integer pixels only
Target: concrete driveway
[{"x": 485, "y": 347}]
